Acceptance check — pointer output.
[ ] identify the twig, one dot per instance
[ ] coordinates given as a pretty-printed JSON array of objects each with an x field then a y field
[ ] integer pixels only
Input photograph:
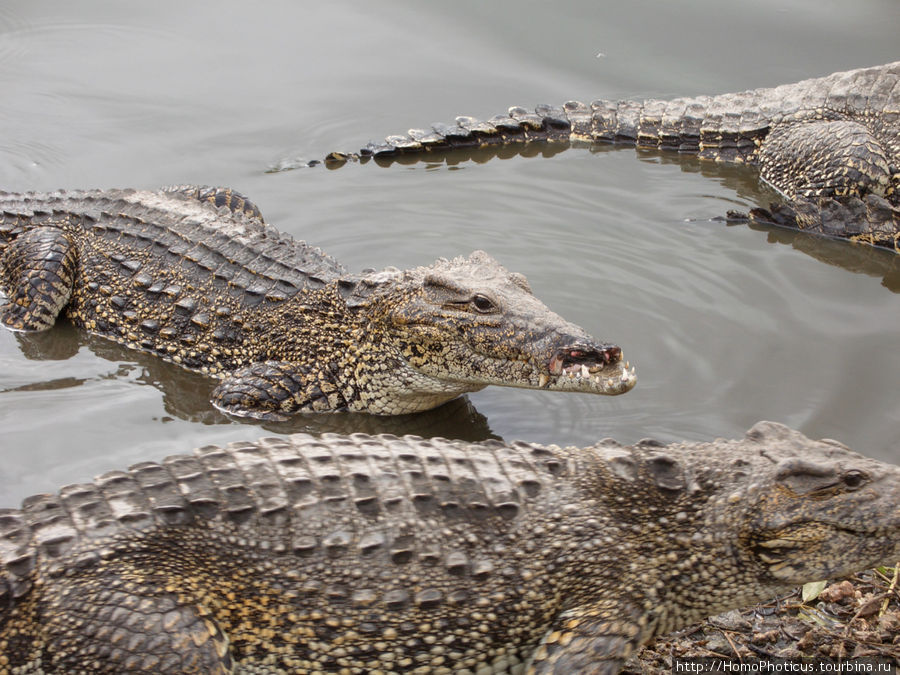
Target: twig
[
  {"x": 884, "y": 605},
  {"x": 733, "y": 648}
]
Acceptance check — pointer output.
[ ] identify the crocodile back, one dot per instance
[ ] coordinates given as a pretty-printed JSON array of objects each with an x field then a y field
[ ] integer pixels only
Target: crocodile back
[
  {"x": 362, "y": 502},
  {"x": 184, "y": 236},
  {"x": 378, "y": 552}
]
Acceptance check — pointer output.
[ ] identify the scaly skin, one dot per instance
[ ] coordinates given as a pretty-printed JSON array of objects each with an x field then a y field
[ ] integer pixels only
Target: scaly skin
[
  {"x": 196, "y": 277},
  {"x": 830, "y": 145},
  {"x": 363, "y": 553}
]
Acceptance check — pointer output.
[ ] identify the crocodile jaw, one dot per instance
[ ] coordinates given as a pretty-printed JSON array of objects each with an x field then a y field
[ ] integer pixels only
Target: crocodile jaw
[
  {"x": 610, "y": 380},
  {"x": 584, "y": 366}
]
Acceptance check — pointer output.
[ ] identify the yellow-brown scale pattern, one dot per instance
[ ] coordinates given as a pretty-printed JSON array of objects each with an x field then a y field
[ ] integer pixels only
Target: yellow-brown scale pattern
[
  {"x": 362, "y": 554},
  {"x": 195, "y": 277}
]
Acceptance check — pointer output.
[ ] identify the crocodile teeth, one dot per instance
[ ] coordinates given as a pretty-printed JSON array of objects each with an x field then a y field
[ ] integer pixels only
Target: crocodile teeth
[
  {"x": 543, "y": 381},
  {"x": 585, "y": 372}
]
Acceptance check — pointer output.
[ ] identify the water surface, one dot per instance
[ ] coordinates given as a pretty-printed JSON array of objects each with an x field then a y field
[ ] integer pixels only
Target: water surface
[{"x": 726, "y": 324}]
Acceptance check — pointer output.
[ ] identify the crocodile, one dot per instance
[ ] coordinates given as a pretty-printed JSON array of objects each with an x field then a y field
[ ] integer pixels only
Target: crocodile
[
  {"x": 195, "y": 276},
  {"x": 362, "y": 553},
  {"x": 829, "y": 145}
]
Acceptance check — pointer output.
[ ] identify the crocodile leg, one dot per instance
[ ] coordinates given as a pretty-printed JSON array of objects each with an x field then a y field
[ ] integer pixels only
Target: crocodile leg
[
  {"x": 272, "y": 390},
  {"x": 837, "y": 176},
  {"x": 37, "y": 272},
  {"x": 824, "y": 158},
  {"x": 134, "y": 634},
  {"x": 596, "y": 640}
]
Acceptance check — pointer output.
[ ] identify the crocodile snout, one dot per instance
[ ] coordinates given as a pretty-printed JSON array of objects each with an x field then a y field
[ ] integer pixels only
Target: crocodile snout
[{"x": 588, "y": 367}]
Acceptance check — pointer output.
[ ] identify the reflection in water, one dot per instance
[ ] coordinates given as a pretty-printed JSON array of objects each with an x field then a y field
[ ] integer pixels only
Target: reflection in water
[
  {"x": 857, "y": 258},
  {"x": 186, "y": 394},
  {"x": 744, "y": 180},
  {"x": 853, "y": 257},
  {"x": 456, "y": 419},
  {"x": 58, "y": 344},
  {"x": 49, "y": 385}
]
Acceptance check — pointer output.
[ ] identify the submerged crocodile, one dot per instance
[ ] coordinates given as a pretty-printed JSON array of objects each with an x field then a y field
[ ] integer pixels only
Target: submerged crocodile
[
  {"x": 195, "y": 276},
  {"x": 830, "y": 145},
  {"x": 383, "y": 554}
]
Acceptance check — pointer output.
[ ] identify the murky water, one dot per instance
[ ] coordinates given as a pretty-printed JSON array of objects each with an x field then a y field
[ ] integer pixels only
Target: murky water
[{"x": 726, "y": 324}]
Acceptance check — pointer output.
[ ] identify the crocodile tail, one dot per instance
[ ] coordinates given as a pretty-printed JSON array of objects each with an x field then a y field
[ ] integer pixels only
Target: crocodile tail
[
  {"x": 724, "y": 128},
  {"x": 703, "y": 125}
]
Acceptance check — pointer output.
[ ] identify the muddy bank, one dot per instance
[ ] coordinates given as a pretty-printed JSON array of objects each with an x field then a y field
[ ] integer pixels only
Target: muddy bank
[{"x": 854, "y": 618}]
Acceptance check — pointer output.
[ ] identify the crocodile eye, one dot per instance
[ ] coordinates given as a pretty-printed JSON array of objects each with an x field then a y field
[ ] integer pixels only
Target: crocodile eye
[
  {"x": 854, "y": 479},
  {"x": 483, "y": 304}
]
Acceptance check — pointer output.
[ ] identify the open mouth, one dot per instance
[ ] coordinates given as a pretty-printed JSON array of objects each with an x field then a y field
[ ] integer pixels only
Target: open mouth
[{"x": 583, "y": 368}]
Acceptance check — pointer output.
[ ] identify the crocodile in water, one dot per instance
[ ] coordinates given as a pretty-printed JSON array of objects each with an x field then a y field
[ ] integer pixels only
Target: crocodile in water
[
  {"x": 195, "y": 276},
  {"x": 830, "y": 145},
  {"x": 360, "y": 553}
]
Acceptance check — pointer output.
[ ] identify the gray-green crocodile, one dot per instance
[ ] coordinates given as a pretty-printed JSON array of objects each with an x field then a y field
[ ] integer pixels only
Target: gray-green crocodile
[
  {"x": 195, "y": 276},
  {"x": 830, "y": 145},
  {"x": 361, "y": 553}
]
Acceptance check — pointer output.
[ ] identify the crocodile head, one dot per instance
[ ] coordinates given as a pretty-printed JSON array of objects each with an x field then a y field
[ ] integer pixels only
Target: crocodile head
[
  {"x": 462, "y": 324},
  {"x": 823, "y": 511},
  {"x": 728, "y": 524},
  {"x": 792, "y": 510}
]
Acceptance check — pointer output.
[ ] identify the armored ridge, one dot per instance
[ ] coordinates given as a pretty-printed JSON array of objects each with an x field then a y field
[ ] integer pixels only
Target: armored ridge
[
  {"x": 195, "y": 276},
  {"x": 382, "y": 554},
  {"x": 830, "y": 145}
]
